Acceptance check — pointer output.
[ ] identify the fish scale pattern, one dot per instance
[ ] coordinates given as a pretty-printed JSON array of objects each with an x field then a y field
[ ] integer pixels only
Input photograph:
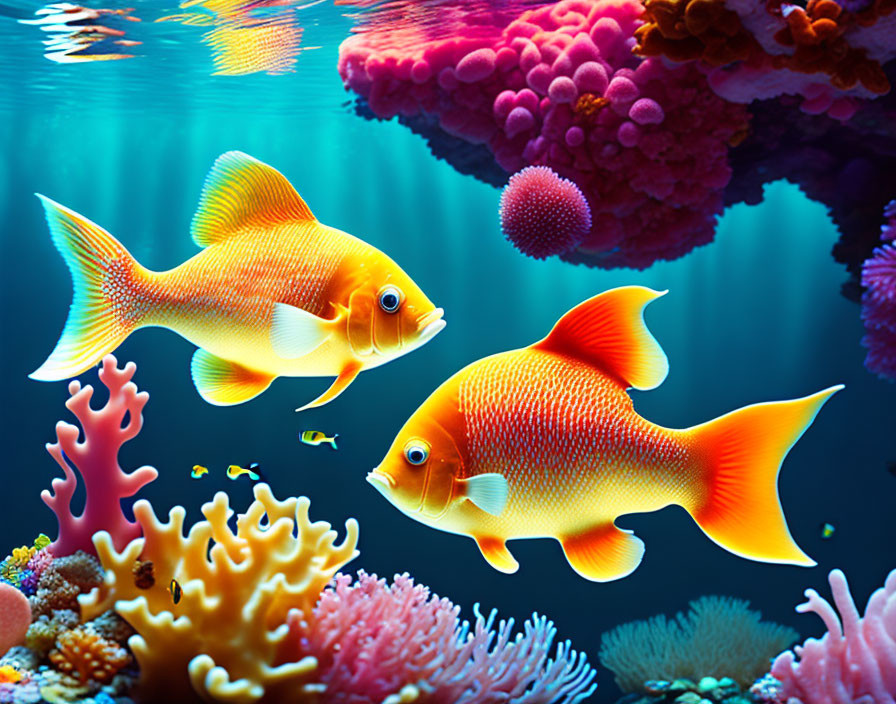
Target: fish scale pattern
[
  {"x": 295, "y": 270},
  {"x": 568, "y": 440}
]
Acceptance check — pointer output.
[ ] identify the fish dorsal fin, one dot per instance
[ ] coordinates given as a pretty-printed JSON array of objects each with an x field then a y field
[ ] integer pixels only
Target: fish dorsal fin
[
  {"x": 608, "y": 331},
  {"x": 239, "y": 191}
]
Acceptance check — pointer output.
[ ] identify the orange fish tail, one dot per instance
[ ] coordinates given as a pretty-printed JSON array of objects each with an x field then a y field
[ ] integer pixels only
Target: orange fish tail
[
  {"x": 737, "y": 505},
  {"x": 105, "y": 306}
]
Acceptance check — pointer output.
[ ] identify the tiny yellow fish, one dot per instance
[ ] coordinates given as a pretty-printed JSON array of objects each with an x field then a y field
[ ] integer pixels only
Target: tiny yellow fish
[
  {"x": 315, "y": 437},
  {"x": 198, "y": 471},
  {"x": 274, "y": 292},
  {"x": 234, "y": 471},
  {"x": 544, "y": 441},
  {"x": 174, "y": 588},
  {"x": 827, "y": 531}
]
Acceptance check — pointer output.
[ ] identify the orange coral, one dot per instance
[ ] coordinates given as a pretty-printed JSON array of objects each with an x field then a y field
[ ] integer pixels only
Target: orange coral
[
  {"x": 689, "y": 30},
  {"x": 816, "y": 33},
  {"x": 686, "y": 30},
  {"x": 588, "y": 104},
  {"x": 84, "y": 654},
  {"x": 10, "y": 675}
]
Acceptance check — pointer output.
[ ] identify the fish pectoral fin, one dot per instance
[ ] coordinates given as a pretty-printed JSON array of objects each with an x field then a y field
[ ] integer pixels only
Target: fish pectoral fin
[
  {"x": 495, "y": 552},
  {"x": 487, "y": 491},
  {"x": 603, "y": 553},
  {"x": 240, "y": 192},
  {"x": 296, "y": 332},
  {"x": 608, "y": 331},
  {"x": 224, "y": 383},
  {"x": 346, "y": 377}
]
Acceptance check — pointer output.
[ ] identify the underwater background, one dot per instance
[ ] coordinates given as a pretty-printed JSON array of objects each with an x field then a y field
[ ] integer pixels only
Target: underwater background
[{"x": 756, "y": 315}]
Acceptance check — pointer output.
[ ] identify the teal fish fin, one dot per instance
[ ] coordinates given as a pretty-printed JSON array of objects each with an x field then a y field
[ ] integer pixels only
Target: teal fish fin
[
  {"x": 495, "y": 552},
  {"x": 346, "y": 377},
  {"x": 603, "y": 552},
  {"x": 487, "y": 491},
  {"x": 242, "y": 192},
  {"x": 333, "y": 442},
  {"x": 296, "y": 332},
  {"x": 224, "y": 383}
]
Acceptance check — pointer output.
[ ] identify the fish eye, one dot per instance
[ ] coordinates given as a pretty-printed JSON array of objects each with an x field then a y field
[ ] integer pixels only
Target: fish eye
[
  {"x": 416, "y": 452},
  {"x": 390, "y": 298}
]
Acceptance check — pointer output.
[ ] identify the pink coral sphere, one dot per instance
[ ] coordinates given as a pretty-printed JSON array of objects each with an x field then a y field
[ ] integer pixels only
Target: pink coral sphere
[
  {"x": 15, "y": 617},
  {"x": 543, "y": 214}
]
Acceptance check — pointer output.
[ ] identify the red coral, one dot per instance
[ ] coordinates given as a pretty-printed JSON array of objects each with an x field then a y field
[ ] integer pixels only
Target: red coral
[{"x": 96, "y": 459}]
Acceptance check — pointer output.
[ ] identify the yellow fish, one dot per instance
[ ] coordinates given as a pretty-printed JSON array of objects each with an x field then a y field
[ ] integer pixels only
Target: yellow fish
[
  {"x": 273, "y": 293},
  {"x": 198, "y": 471},
  {"x": 176, "y": 591},
  {"x": 315, "y": 437},
  {"x": 234, "y": 471},
  {"x": 544, "y": 441}
]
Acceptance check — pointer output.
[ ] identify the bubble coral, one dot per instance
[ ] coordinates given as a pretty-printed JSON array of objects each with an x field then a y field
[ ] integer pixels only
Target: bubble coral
[
  {"x": 88, "y": 657},
  {"x": 543, "y": 214},
  {"x": 558, "y": 86},
  {"x": 96, "y": 460},
  {"x": 376, "y": 642},
  {"x": 226, "y": 638},
  {"x": 15, "y": 617},
  {"x": 855, "y": 660}
]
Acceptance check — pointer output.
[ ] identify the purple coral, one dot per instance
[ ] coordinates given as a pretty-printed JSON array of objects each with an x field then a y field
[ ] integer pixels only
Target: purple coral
[
  {"x": 855, "y": 660},
  {"x": 879, "y": 301},
  {"x": 96, "y": 459},
  {"x": 373, "y": 640}
]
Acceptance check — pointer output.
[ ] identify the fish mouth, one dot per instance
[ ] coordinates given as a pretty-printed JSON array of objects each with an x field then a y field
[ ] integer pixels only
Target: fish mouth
[
  {"x": 429, "y": 325},
  {"x": 381, "y": 481}
]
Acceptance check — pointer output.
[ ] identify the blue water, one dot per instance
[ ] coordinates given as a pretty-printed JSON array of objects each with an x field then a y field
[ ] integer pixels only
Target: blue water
[{"x": 755, "y": 316}]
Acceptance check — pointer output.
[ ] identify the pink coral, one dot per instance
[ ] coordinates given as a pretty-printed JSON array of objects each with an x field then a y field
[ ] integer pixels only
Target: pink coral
[
  {"x": 855, "y": 660},
  {"x": 558, "y": 86},
  {"x": 543, "y": 214},
  {"x": 15, "y": 617},
  {"x": 879, "y": 301},
  {"x": 96, "y": 459},
  {"x": 373, "y": 640}
]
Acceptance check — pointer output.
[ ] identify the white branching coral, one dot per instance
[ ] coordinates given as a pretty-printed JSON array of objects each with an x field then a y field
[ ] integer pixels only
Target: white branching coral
[{"x": 225, "y": 638}]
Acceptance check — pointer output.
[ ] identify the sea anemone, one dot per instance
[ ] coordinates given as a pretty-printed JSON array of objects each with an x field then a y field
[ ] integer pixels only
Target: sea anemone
[{"x": 543, "y": 214}]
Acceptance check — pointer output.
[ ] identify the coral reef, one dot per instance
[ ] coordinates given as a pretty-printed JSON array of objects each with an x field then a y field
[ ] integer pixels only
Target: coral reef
[
  {"x": 85, "y": 655},
  {"x": 694, "y": 645},
  {"x": 879, "y": 301},
  {"x": 15, "y": 617},
  {"x": 373, "y": 640},
  {"x": 558, "y": 86},
  {"x": 63, "y": 580},
  {"x": 855, "y": 661},
  {"x": 227, "y": 636},
  {"x": 23, "y": 567},
  {"x": 96, "y": 460},
  {"x": 543, "y": 214},
  {"x": 684, "y": 691}
]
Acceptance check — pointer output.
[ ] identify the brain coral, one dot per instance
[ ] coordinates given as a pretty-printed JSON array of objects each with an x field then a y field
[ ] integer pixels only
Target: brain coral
[
  {"x": 226, "y": 637},
  {"x": 695, "y": 645},
  {"x": 559, "y": 86}
]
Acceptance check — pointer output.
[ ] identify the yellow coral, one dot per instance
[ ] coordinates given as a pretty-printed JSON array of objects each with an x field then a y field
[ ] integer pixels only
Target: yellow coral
[
  {"x": 222, "y": 640},
  {"x": 10, "y": 675},
  {"x": 84, "y": 654}
]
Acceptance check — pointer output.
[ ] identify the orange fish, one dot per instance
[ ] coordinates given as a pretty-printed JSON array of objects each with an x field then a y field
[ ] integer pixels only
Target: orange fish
[
  {"x": 273, "y": 293},
  {"x": 544, "y": 441}
]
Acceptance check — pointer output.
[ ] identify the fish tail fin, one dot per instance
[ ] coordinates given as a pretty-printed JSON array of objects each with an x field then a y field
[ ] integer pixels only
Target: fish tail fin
[
  {"x": 333, "y": 441},
  {"x": 103, "y": 311},
  {"x": 737, "y": 503}
]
